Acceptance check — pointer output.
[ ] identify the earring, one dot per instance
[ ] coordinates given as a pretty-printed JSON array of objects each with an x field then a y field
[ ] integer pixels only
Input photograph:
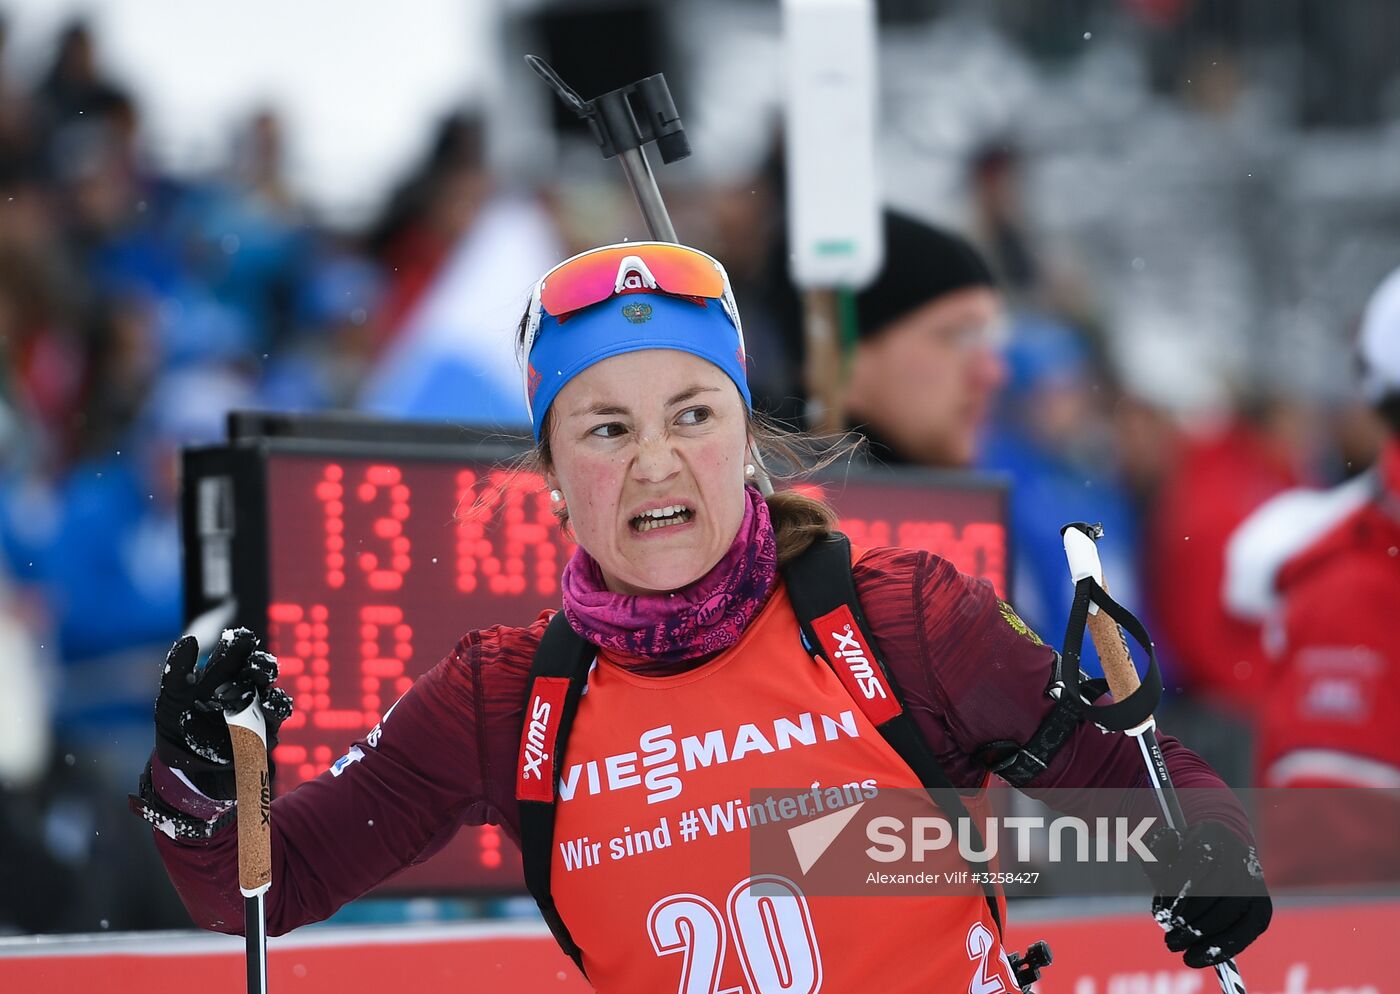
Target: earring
[
  {"x": 556, "y": 496},
  {"x": 749, "y": 470}
]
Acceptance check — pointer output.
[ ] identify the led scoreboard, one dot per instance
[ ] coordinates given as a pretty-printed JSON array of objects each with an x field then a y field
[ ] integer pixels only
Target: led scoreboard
[{"x": 362, "y": 550}]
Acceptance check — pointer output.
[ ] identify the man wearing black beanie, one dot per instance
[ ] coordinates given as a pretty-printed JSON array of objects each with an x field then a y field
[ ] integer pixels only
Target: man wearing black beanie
[{"x": 925, "y": 370}]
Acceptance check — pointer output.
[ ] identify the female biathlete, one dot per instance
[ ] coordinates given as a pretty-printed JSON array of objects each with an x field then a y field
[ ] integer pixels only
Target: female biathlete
[{"x": 682, "y": 592}]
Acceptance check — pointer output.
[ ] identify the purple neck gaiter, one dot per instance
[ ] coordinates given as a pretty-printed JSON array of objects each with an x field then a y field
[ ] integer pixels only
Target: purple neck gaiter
[{"x": 698, "y": 620}]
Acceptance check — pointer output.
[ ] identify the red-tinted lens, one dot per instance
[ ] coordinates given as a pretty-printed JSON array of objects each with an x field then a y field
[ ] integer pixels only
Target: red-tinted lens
[{"x": 592, "y": 278}]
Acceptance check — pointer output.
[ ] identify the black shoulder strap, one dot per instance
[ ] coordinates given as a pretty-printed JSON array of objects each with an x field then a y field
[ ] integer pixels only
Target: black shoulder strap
[
  {"x": 557, "y": 678},
  {"x": 823, "y": 595}
]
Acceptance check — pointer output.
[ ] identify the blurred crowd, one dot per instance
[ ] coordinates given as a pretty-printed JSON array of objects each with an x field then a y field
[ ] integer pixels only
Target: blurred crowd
[{"x": 137, "y": 308}]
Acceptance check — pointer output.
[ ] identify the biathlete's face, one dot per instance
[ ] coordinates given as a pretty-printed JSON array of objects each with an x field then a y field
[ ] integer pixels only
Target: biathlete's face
[{"x": 649, "y": 450}]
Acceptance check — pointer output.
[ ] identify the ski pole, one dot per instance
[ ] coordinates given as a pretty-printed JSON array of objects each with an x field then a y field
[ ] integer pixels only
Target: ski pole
[
  {"x": 1122, "y": 676},
  {"x": 248, "y": 731}
]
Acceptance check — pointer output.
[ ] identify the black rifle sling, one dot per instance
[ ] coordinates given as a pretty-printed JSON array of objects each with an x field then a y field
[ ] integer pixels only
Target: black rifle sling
[
  {"x": 1020, "y": 763},
  {"x": 561, "y": 653},
  {"x": 818, "y": 582}
]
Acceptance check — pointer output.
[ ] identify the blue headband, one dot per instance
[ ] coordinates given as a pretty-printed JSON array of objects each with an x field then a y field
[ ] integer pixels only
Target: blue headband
[{"x": 630, "y": 323}]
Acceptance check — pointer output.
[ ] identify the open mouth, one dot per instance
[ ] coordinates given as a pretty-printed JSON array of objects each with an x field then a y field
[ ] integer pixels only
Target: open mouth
[{"x": 662, "y": 517}]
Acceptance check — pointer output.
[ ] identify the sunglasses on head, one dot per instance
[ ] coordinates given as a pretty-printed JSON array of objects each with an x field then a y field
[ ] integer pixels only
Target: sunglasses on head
[{"x": 630, "y": 267}]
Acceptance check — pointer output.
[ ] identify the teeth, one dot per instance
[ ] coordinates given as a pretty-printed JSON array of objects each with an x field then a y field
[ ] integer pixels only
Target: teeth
[
  {"x": 660, "y": 517},
  {"x": 651, "y": 525}
]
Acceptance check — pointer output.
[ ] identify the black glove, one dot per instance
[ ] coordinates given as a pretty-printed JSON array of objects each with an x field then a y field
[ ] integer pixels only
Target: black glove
[
  {"x": 191, "y": 734},
  {"x": 1211, "y": 898}
]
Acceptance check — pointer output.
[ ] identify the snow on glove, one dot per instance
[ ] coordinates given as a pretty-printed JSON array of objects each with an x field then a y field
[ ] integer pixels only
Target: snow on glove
[
  {"x": 1211, "y": 898},
  {"x": 191, "y": 734}
]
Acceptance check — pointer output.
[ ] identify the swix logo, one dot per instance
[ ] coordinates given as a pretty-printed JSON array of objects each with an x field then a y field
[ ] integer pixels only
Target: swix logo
[
  {"x": 534, "y": 740},
  {"x": 841, "y": 638},
  {"x": 535, "y": 781},
  {"x": 859, "y": 666}
]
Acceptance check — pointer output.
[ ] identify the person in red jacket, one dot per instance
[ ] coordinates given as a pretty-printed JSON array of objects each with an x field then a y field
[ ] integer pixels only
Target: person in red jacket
[
  {"x": 1333, "y": 693},
  {"x": 1220, "y": 478},
  {"x": 633, "y": 360}
]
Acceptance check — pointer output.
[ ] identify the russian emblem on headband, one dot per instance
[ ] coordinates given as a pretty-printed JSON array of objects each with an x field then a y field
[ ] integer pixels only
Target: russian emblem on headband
[
  {"x": 534, "y": 379},
  {"x": 637, "y": 312}
]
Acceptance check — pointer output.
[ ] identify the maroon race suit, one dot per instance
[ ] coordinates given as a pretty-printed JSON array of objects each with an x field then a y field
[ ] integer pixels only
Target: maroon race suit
[{"x": 446, "y": 755}]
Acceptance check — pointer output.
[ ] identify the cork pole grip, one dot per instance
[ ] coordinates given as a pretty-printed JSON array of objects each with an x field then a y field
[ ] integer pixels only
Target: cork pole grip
[
  {"x": 254, "y": 804},
  {"x": 1082, "y": 555},
  {"x": 1118, "y": 668}
]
